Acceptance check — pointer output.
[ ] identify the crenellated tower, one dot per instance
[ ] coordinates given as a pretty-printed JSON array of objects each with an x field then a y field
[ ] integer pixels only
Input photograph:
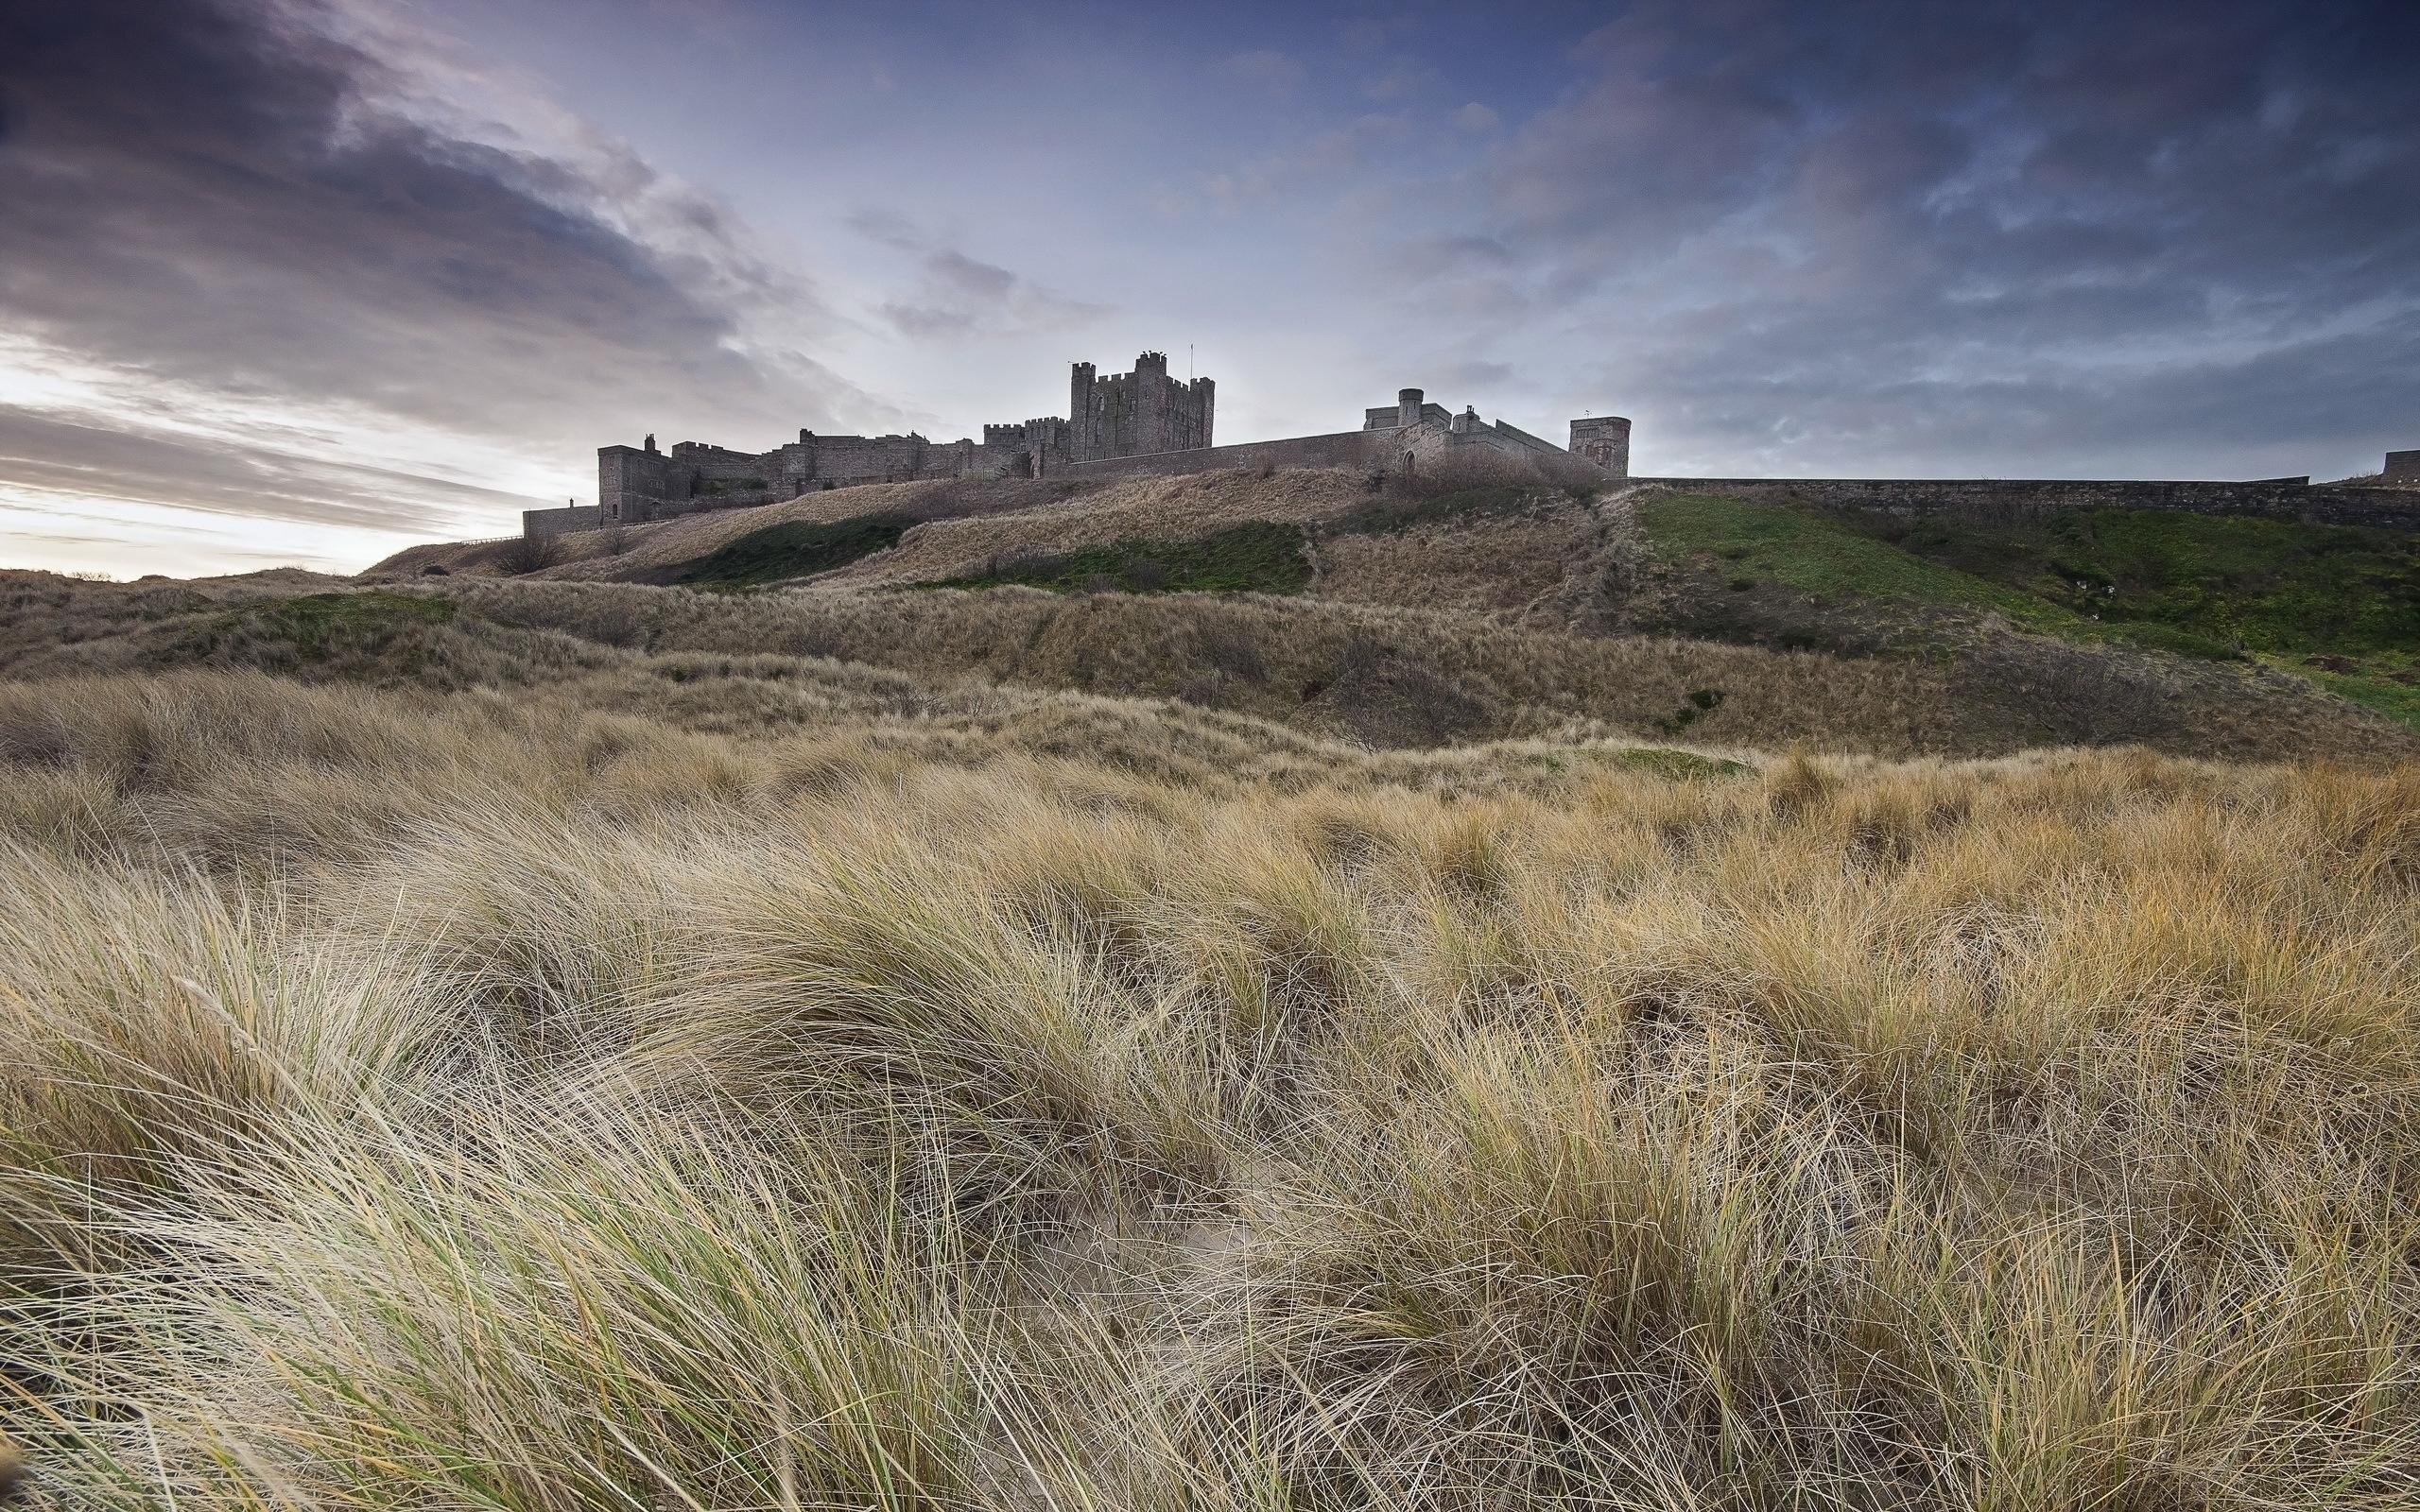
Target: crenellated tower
[{"x": 1139, "y": 413}]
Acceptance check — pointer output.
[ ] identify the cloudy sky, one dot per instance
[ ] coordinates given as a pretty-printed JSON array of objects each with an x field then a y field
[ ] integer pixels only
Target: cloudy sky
[{"x": 303, "y": 281}]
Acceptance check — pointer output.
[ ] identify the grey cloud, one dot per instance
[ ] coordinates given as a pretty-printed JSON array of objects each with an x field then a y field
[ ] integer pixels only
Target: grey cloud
[
  {"x": 1334, "y": 154},
  {"x": 216, "y": 191},
  {"x": 958, "y": 297},
  {"x": 114, "y": 460},
  {"x": 1893, "y": 235}
]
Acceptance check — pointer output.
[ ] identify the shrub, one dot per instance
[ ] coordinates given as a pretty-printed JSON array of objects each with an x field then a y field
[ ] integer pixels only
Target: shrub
[
  {"x": 529, "y": 554},
  {"x": 1256, "y": 557}
]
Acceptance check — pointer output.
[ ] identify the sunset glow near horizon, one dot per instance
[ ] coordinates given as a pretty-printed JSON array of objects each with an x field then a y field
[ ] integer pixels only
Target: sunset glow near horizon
[{"x": 305, "y": 281}]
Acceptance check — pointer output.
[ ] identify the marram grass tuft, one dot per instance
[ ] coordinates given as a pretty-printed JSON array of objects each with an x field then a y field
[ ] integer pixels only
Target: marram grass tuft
[{"x": 489, "y": 1103}]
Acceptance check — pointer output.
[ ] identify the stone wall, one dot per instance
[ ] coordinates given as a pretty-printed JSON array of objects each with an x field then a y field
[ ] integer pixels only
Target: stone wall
[
  {"x": 1142, "y": 421},
  {"x": 815, "y": 461},
  {"x": 535, "y": 523},
  {"x": 2033, "y": 498},
  {"x": 1349, "y": 449},
  {"x": 2402, "y": 466},
  {"x": 1438, "y": 433},
  {"x": 631, "y": 479},
  {"x": 638, "y": 484},
  {"x": 1603, "y": 439},
  {"x": 1138, "y": 413}
]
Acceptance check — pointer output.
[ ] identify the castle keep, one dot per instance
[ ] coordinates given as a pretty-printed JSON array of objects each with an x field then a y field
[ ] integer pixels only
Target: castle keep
[{"x": 1143, "y": 421}]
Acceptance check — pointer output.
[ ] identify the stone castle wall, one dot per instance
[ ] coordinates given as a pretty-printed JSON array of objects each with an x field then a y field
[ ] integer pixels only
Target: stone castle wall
[
  {"x": 536, "y": 523},
  {"x": 1409, "y": 435},
  {"x": 1145, "y": 422},
  {"x": 1346, "y": 448},
  {"x": 1139, "y": 413},
  {"x": 2014, "y": 499},
  {"x": 1603, "y": 439},
  {"x": 1127, "y": 424}
]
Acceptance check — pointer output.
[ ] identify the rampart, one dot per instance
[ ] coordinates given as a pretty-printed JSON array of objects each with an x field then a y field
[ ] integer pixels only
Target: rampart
[
  {"x": 1405, "y": 435},
  {"x": 2013, "y": 499},
  {"x": 535, "y": 523},
  {"x": 1142, "y": 421},
  {"x": 1347, "y": 449},
  {"x": 1145, "y": 422}
]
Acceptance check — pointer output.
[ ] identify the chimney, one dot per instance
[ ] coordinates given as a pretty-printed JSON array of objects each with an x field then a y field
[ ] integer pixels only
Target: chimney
[{"x": 1408, "y": 408}]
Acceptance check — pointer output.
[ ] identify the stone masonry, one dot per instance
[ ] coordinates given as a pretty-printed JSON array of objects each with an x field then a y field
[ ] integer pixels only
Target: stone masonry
[
  {"x": 1146, "y": 422},
  {"x": 1143, "y": 421}
]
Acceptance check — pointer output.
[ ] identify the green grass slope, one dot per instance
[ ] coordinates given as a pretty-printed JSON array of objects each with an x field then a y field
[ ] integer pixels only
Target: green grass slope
[
  {"x": 1260, "y": 557},
  {"x": 2341, "y": 604},
  {"x": 2338, "y": 604},
  {"x": 794, "y": 548}
]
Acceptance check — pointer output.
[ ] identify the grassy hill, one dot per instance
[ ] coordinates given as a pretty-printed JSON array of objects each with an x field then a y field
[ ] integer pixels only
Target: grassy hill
[
  {"x": 2236, "y": 636},
  {"x": 708, "y": 1080},
  {"x": 2339, "y": 604},
  {"x": 1220, "y": 994},
  {"x": 1384, "y": 676}
]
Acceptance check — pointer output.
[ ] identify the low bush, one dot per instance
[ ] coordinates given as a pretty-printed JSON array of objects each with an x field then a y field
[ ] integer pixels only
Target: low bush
[
  {"x": 1259, "y": 557},
  {"x": 796, "y": 548}
]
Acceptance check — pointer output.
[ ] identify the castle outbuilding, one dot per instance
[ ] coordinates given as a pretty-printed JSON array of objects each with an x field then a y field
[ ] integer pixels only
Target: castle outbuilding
[{"x": 1143, "y": 421}]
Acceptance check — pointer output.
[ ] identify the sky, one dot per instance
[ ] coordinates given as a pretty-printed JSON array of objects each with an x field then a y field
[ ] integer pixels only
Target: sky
[{"x": 302, "y": 282}]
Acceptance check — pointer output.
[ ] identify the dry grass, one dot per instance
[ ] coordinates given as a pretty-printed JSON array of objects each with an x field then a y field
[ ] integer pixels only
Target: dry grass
[
  {"x": 1172, "y": 508},
  {"x": 489, "y": 1101},
  {"x": 1374, "y": 675},
  {"x": 1542, "y": 569},
  {"x": 967, "y": 520}
]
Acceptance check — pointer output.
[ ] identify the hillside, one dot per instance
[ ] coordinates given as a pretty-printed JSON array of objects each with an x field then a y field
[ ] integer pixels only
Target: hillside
[
  {"x": 1237, "y": 993},
  {"x": 688, "y": 1080},
  {"x": 1383, "y": 677},
  {"x": 2240, "y": 637}
]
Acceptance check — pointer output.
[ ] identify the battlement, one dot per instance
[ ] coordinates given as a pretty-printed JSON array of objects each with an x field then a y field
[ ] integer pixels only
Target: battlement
[
  {"x": 1139, "y": 413},
  {"x": 1138, "y": 422},
  {"x": 1391, "y": 415},
  {"x": 707, "y": 451}
]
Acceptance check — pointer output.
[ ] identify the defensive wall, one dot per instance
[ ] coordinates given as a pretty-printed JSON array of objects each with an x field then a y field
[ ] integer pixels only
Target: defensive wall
[
  {"x": 562, "y": 521},
  {"x": 1145, "y": 424},
  {"x": 2015, "y": 499},
  {"x": 1120, "y": 415},
  {"x": 1407, "y": 436},
  {"x": 1143, "y": 421}
]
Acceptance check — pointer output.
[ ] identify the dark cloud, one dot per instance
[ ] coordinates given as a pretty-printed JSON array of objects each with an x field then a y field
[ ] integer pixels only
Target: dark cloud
[
  {"x": 229, "y": 198},
  {"x": 1910, "y": 237}
]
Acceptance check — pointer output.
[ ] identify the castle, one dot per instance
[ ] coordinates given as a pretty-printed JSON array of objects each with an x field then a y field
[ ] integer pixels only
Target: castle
[
  {"x": 1142, "y": 421},
  {"x": 1146, "y": 422}
]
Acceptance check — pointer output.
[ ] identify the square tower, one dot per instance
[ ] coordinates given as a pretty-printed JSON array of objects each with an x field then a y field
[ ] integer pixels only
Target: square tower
[{"x": 1138, "y": 413}]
